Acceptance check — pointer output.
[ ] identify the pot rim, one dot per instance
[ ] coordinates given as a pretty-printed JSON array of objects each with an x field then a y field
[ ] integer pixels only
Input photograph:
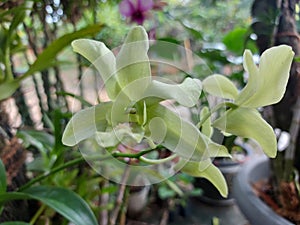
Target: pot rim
[{"x": 247, "y": 200}]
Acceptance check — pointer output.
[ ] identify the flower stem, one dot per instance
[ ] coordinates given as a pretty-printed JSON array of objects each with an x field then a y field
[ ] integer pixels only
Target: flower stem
[
  {"x": 81, "y": 160},
  {"x": 130, "y": 155},
  {"x": 157, "y": 161},
  {"x": 37, "y": 215},
  {"x": 215, "y": 109}
]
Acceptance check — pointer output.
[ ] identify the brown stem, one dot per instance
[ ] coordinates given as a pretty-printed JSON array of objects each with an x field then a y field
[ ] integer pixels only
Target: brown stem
[
  {"x": 124, "y": 208},
  {"x": 104, "y": 199},
  {"x": 165, "y": 217},
  {"x": 290, "y": 152},
  {"x": 120, "y": 196}
]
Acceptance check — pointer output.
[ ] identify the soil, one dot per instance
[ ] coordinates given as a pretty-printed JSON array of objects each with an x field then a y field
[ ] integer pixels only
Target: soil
[{"x": 286, "y": 203}]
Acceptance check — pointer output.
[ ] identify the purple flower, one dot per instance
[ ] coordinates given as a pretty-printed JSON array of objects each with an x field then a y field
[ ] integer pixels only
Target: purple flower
[{"x": 136, "y": 10}]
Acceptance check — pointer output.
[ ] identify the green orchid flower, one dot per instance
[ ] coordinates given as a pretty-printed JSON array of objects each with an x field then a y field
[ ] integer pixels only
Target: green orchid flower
[
  {"x": 135, "y": 115},
  {"x": 135, "y": 111},
  {"x": 266, "y": 86}
]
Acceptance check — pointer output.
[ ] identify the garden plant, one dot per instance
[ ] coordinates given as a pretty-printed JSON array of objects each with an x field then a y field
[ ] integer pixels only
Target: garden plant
[{"x": 123, "y": 137}]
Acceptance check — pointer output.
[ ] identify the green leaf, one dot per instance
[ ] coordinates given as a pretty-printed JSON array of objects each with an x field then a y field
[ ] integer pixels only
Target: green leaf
[
  {"x": 19, "y": 15},
  {"x": 65, "y": 202},
  {"x": 220, "y": 86},
  {"x": 248, "y": 123},
  {"x": 164, "y": 192},
  {"x": 236, "y": 39},
  {"x": 85, "y": 123},
  {"x": 15, "y": 223},
  {"x": 8, "y": 88},
  {"x": 266, "y": 84},
  {"x": 205, "y": 169},
  {"x": 78, "y": 97},
  {"x": 11, "y": 38},
  {"x": 133, "y": 66},
  {"x": 43, "y": 141},
  {"x": 187, "y": 93},
  {"x": 9, "y": 196},
  {"x": 182, "y": 137},
  {"x": 3, "y": 184},
  {"x": 103, "y": 59},
  {"x": 45, "y": 59}
]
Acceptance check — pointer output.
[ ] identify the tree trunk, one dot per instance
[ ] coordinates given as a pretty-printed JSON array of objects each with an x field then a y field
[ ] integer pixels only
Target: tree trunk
[
  {"x": 284, "y": 111},
  {"x": 13, "y": 156},
  {"x": 287, "y": 34}
]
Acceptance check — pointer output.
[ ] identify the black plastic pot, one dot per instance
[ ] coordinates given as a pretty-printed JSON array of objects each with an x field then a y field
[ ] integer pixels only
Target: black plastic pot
[{"x": 254, "y": 209}]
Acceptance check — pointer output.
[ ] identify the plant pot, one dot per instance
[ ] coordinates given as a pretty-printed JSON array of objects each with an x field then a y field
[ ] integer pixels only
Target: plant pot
[
  {"x": 254, "y": 209},
  {"x": 229, "y": 169},
  {"x": 137, "y": 201}
]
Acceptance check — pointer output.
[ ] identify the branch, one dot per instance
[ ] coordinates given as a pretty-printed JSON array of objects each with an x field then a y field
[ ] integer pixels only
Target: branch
[
  {"x": 115, "y": 213},
  {"x": 293, "y": 131}
]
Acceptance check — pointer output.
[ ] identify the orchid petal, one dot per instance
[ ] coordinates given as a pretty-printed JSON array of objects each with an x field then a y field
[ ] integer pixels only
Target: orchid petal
[
  {"x": 248, "y": 123},
  {"x": 103, "y": 59},
  {"x": 134, "y": 74},
  {"x": 158, "y": 130},
  {"x": 144, "y": 5},
  {"x": 267, "y": 83},
  {"x": 206, "y": 127},
  {"x": 220, "y": 86},
  {"x": 187, "y": 93},
  {"x": 207, "y": 170},
  {"x": 253, "y": 80},
  {"x": 113, "y": 137},
  {"x": 127, "y": 8},
  {"x": 183, "y": 138},
  {"x": 85, "y": 123}
]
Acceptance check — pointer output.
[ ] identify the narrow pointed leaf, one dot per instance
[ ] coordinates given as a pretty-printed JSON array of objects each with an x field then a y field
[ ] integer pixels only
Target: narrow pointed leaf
[
  {"x": 8, "y": 88},
  {"x": 103, "y": 59},
  {"x": 9, "y": 196},
  {"x": 19, "y": 15},
  {"x": 187, "y": 93},
  {"x": 85, "y": 123},
  {"x": 248, "y": 123},
  {"x": 134, "y": 74},
  {"x": 46, "y": 58},
  {"x": 207, "y": 170},
  {"x": 65, "y": 202},
  {"x": 220, "y": 86},
  {"x": 15, "y": 223},
  {"x": 3, "y": 184},
  {"x": 267, "y": 84}
]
